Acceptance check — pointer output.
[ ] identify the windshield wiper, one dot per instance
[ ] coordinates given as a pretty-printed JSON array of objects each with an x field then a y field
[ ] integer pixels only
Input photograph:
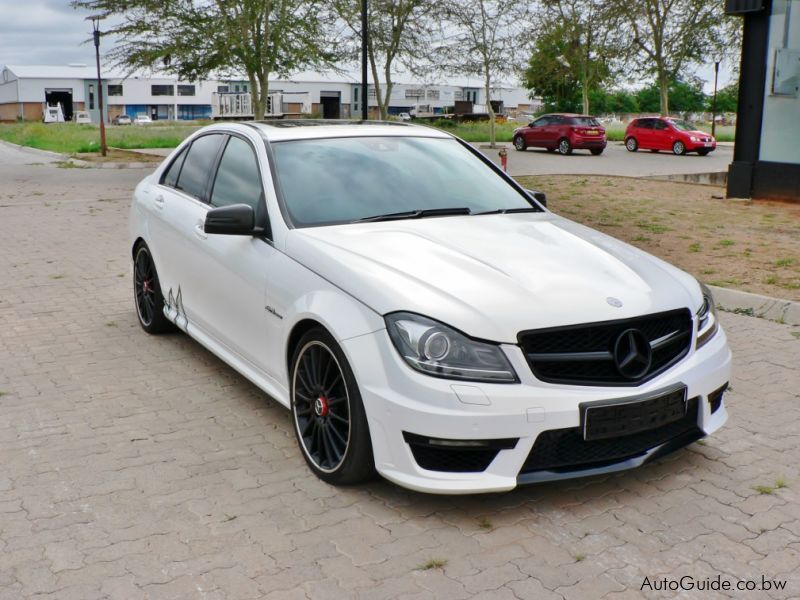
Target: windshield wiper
[
  {"x": 507, "y": 211},
  {"x": 417, "y": 214}
]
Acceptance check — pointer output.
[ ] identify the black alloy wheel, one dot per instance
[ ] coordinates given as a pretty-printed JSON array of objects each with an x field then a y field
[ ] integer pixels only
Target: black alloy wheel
[
  {"x": 147, "y": 293},
  {"x": 328, "y": 415}
]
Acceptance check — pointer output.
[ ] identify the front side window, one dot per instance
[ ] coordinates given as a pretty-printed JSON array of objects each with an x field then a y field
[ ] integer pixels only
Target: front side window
[
  {"x": 198, "y": 164},
  {"x": 328, "y": 181},
  {"x": 681, "y": 125},
  {"x": 541, "y": 122},
  {"x": 658, "y": 124},
  {"x": 238, "y": 181}
]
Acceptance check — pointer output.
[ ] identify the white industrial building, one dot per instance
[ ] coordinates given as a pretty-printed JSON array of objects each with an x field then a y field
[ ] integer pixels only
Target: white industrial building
[{"x": 25, "y": 91}]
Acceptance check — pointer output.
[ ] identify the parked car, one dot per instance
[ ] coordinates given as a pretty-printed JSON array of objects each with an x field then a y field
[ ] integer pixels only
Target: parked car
[
  {"x": 562, "y": 132},
  {"x": 419, "y": 313},
  {"x": 83, "y": 116},
  {"x": 404, "y": 116},
  {"x": 122, "y": 120},
  {"x": 142, "y": 119},
  {"x": 661, "y": 133}
]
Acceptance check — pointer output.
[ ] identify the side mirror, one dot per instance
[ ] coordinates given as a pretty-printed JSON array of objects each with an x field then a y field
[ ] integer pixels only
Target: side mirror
[
  {"x": 236, "y": 219},
  {"x": 539, "y": 196}
]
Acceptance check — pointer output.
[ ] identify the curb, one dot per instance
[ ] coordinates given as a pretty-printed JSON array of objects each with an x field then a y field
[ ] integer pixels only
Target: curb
[
  {"x": 756, "y": 305},
  {"x": 85, "y": 164}
]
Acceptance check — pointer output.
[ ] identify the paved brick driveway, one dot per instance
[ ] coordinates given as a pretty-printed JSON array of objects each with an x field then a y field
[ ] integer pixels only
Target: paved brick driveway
[{"x": 141, "y": 467}]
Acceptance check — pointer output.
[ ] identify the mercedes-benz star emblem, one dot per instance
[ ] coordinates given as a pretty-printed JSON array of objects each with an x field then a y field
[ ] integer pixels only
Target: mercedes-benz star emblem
[{"x": 632, "y": 354}]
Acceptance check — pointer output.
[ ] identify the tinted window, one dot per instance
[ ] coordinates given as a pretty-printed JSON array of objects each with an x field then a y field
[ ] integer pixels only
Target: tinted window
[
  {"x": 541, "y": 122},
  {"x": 659, "y": 124},
  {"x": 171, "y": 175},
  {"x": 645, "y": 123},
  {"x": 339, "y": 180},
  {"x": 237, "y": 177},
  {"x": 198, "y": 164},
  {"x": 585, "y": 121}
]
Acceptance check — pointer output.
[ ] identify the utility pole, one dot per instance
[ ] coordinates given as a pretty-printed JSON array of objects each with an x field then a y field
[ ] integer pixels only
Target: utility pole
[
  {"x": 364, "y": 82},
  {"x": 95, "y": 19},
  {"x": 714, "y": 102}
]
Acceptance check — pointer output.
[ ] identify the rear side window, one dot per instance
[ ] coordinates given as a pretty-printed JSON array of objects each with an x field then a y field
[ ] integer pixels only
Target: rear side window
[
  {"x": 644, "y": 123},
  {"x": 170, "y": 177},
  {"x": 198, "y": 164},
  {"x": 238, "y": 181}
]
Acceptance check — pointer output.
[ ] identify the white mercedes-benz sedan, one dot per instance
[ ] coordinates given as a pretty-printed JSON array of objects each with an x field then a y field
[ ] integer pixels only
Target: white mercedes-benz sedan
[{"x": 422, "y": 315}]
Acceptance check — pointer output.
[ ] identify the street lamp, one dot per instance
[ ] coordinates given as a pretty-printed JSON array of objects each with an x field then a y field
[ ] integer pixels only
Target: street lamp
[
  {"x": 714, "y": 101},
  {"x": 364, "y": 83},
  {"x": 95, "y": 19}
]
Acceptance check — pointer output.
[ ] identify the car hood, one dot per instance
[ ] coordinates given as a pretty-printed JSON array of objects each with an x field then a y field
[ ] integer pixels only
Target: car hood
[{"x": 492, "y": 276}]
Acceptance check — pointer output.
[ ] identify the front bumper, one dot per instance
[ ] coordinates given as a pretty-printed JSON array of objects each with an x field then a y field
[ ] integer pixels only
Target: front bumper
[
  {"x": 399, "y": 401},
  {"x": 695, "y": 146}
]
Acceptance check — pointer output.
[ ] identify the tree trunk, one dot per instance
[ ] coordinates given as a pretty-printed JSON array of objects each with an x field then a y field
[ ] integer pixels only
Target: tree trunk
[
  {"x": 585, "y": 94},
  {"x": 490, "y": 110},
  {"x": 663, "y": 82}
]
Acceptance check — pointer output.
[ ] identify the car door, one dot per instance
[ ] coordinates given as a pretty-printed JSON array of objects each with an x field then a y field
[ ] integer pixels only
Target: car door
[
  {"x": 233, "y": 269},
  {"x": 535, "y": 134},
  {"x": 644, "y": 133},
  {"x": 662, "y": 136},
  {"x": 179, "y": 202}
]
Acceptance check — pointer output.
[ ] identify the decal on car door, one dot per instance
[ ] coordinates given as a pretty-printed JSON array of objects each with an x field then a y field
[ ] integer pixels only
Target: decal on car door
[{"x": 175, "y": 311}]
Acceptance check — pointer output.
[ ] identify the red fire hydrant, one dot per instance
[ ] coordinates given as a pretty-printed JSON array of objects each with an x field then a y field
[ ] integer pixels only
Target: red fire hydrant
[{"x": 503, "y": 154}]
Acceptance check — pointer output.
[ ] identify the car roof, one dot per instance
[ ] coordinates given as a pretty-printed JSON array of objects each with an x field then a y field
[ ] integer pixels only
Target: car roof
[{"x": 299, "y": 129}]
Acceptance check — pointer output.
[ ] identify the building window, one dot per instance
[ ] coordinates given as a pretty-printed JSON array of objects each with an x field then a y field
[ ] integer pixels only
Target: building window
[
  {"x": 162, "y": 90},
  {"x": 222, "y": 89},
  {"x": 185, "y": 90},
  {"x": 415, "y": 93},
  {"x": 433, "y": 94},
  {"x": 115, "y": 89},
  {"x": 91, "y": 96}
]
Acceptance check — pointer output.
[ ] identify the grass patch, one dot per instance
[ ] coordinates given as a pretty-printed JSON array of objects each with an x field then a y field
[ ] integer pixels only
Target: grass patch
[
  {"x": 579, "y": 557},
  {"x": 784, "y": 262},
  {"x": 694, "y": 247},
  {"x": 764, "y": 489},
  {"x": 58, "y": 276},
  {"x": 780, "y": 483},
  {"x": 434, "y": 563},
  {"x": 475, "y": 131},
  {"x": 726, "y": 242},
  {"x": 771, "y": 280},
  {"x": 796, "y": 334},
  {"x": 485, "y": 523},
  {"x": 3, "y": 393},
  {"x": 71, "y": 138}
]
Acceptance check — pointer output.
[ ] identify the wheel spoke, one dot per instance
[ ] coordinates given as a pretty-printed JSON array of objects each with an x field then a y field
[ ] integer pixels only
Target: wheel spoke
[{"x": 335, "y": 453}]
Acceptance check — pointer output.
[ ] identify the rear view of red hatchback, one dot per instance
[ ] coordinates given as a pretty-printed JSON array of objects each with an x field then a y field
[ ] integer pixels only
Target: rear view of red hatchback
[
  {"x": 562, "y": 132},
  {"x": 660, "y": 133}
]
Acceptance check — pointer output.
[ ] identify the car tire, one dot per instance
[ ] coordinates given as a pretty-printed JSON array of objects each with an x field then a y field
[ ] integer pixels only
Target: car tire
[
  {"x": 631, "y": 144},
  {"x": 596, "y": 151},
  {"x": 564, "y": 147},
  {"x": 147, "y": 296},
  {"x": 330, "y": 423},
  {"x": 703, "y": 152},
  {"x": 519, "y": 143},
  {"x": 679, "y": 148}
]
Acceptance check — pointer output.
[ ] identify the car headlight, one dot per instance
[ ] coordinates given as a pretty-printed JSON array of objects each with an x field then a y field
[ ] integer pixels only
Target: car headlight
[
  {"x": 693, "y": 138},
  {"x": 436, "y": 349},
  {"x": 707, "y": 321}
]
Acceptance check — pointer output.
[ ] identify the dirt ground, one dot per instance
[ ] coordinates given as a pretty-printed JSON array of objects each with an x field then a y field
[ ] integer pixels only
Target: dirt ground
[
  {"x": 120, "y": 156},
  {"x": 751, "y": 246}
]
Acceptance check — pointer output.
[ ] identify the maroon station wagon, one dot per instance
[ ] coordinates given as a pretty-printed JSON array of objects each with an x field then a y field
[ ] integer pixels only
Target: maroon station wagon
[{"x": 562, "y": 132}]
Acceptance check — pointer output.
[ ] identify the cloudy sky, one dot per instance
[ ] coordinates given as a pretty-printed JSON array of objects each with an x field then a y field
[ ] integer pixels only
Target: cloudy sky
[{"x": 50, "y": 32}]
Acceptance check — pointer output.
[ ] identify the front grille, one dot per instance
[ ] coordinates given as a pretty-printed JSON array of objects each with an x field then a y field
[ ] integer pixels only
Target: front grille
[
  {"x": 584, "y": 354},
  {"x": 565, "y": 450}
]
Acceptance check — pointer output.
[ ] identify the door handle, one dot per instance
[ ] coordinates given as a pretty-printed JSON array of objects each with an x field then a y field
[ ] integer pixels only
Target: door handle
[
  {"x": 159, "y": 201},
  {"x": 199, "y": 230}
]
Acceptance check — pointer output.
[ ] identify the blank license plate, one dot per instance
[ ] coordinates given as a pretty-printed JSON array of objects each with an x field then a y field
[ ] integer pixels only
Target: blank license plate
[{"x": 614, "y": 418}]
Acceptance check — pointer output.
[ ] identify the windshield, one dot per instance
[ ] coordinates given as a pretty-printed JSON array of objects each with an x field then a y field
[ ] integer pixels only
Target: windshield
[
  {"x": 340, "y": 180},
  {"x": 585, "y": 121},
  {"x": 682, "y": 125}
]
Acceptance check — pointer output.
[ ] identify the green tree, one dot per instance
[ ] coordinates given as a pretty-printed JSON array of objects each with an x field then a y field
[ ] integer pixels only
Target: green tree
[
  {"x": 549, "y": 78},
  {"x": 727, "y": 99},
  {"x": 668, "y": 35},
  {"x": 590, "y": 30},
  {"x": 196, "y": 38},
  {"x": 684, "y": 97},
  {"x": 399, "y": 30}
]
